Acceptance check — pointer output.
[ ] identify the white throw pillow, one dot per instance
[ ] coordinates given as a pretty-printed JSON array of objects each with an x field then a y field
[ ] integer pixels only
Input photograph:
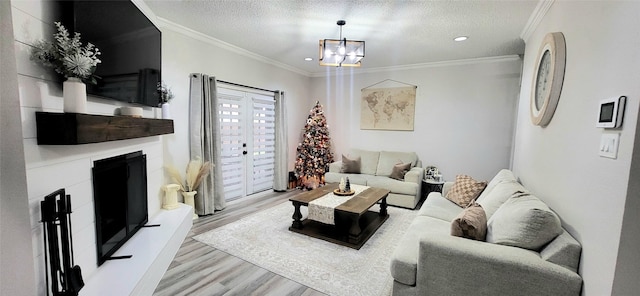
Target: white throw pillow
[
  {"x": 525, "y": 222},
  {"x": 500, "y": 193},
  {"x": 503, "y": 175}
]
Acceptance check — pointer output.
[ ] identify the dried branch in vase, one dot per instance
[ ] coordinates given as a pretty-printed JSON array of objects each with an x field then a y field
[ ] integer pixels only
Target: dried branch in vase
[{"x": 196, "y": 172}]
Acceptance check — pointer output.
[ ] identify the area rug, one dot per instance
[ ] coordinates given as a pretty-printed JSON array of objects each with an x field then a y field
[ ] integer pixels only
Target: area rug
[{"x": 264, "y": 239}]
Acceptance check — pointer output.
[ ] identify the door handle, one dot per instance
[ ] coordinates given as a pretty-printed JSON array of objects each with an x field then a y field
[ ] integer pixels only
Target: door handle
[{"x": 244, "y": 152}]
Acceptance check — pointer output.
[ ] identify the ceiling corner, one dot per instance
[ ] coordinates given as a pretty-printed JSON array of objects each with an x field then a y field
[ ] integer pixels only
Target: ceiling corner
[{"x": 536, "y": 17}]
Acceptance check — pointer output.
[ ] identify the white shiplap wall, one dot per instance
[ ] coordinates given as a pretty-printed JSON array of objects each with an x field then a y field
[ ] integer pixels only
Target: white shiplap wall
[{"x": 52, "y": 167}]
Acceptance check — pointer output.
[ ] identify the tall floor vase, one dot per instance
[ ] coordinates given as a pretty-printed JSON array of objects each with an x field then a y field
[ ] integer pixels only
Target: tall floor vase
[
  {"x": 74, "y": 93},
  {"x": 189, "y": 199}
]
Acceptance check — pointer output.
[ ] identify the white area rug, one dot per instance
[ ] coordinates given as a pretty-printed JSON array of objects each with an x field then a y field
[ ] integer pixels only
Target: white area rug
[{"x": 264, "y": 239}]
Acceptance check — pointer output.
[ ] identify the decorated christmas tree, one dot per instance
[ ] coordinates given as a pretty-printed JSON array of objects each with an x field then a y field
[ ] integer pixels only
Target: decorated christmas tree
[{"x": 314, "y": 151}]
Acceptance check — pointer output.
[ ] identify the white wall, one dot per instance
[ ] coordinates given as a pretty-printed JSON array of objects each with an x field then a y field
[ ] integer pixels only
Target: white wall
[
  {"x": 15, "y": 234},
  {"x": 49, "y": 168},
  {"x": 464, "y": 116},
  {"x": 560, "y": 163},
  {"x": 185, "y": 52}
]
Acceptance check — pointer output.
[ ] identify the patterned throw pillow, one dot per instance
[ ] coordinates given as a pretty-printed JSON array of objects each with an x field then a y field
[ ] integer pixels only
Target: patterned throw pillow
[
  {"x": 464, "y": 190},
  {"x": 470, "y": 223},
  {"x": 399, "y": 170},
  {"x": 351, "y": 166}
]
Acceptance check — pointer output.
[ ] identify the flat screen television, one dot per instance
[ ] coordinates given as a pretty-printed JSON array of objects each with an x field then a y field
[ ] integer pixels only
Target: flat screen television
[{"x": 130, "y": 46}]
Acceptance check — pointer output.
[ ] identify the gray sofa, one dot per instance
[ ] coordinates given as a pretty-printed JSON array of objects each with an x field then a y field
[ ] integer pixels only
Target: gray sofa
[
  {"x": 375, "y": 169},
  {"x": 428, "y": 260}
]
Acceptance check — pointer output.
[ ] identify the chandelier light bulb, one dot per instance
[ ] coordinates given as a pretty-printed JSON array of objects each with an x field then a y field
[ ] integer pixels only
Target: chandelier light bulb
[{"x": 341, "y": 52}]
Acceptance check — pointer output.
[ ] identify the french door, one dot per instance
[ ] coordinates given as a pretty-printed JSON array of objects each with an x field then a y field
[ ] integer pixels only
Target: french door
[{"x": 247, "y": 124}]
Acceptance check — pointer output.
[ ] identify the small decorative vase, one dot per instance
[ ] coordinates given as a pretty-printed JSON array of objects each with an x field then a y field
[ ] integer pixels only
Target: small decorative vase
[
  {"x": 189, "y": 199},
  {"x": 170, "y": 201},
  {"x": 74, "y": 93},
  {"x": 166, "y": 111}
]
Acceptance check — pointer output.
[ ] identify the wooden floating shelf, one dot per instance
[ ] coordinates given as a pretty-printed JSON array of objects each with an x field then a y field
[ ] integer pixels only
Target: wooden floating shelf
[{"x": 76, "y": 128}]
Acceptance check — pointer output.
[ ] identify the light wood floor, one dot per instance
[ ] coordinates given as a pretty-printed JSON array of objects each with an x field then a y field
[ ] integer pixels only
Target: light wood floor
[{"x": 199, "y": 269}]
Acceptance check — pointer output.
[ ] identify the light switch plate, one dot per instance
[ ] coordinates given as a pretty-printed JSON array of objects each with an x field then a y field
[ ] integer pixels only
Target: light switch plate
[{"x": 609, "y": 145}]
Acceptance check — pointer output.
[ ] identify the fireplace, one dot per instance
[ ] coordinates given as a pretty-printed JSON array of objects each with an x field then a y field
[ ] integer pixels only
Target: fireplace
[{"x": 120, "y": 200}]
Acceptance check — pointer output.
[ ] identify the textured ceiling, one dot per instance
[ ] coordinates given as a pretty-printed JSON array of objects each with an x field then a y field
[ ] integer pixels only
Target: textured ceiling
[{"x": 396, "y": 33}]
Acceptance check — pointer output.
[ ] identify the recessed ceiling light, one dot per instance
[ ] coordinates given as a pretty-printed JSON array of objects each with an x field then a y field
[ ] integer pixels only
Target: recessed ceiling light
[
  {"x": 460, "y": 38},
  {"x": 308, "y": 59}
]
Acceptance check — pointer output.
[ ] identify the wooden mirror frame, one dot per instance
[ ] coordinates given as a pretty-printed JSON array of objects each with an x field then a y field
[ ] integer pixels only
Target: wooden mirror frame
[{"x": 554, "y": 43}]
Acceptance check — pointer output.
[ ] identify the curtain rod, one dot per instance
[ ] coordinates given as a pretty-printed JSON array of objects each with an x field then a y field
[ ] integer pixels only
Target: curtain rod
[{"x": 241, "y": 85}]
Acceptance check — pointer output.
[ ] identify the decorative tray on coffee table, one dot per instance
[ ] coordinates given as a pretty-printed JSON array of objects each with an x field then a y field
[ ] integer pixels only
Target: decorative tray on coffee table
[{"x": 338, "y": 192}]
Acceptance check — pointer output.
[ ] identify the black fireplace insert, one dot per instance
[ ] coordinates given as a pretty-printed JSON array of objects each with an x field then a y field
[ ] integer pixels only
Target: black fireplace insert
[{"x": 120, "y": 200}]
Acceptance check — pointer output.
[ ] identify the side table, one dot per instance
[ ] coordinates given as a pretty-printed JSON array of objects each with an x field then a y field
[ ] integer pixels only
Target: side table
[{"x": 429, "y": 186}]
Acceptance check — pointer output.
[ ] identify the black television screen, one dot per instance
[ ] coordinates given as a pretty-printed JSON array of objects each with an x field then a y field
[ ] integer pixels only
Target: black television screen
[{"x": 130, "y": 46}]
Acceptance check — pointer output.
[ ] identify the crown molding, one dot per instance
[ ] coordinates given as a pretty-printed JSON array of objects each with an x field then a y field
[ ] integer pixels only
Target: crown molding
[
  {"x": 330, "y": 71},
  {"x": 164, "y": 23},
  {"x": 352, "y": 71},
  {"x": 536, "y": 17}
]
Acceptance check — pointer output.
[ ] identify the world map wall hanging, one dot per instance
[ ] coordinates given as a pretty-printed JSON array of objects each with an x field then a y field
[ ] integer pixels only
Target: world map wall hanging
[{"x": 391, "y": 108}]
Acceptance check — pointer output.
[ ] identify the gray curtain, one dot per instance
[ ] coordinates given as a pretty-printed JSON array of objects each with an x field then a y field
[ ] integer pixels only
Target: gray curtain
[
  {"x": 204, "y": 141},
  {"x": 281, "y": 176}
]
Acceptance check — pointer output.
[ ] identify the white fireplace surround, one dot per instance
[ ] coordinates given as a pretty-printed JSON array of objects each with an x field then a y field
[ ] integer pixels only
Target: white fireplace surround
[{"x": 69, "y": 167}]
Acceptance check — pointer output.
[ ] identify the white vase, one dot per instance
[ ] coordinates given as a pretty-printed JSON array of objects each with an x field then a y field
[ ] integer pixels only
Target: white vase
[
  {"x": 170, "y": 201},
  {"x": 189, "y": 199},
  {"x": 166, "y": 111},
  {"x": 74, "y": 92}
]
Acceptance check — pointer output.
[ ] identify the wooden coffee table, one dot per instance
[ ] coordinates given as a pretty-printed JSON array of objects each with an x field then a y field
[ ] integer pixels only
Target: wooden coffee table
[{"x": 354, "y": 222}]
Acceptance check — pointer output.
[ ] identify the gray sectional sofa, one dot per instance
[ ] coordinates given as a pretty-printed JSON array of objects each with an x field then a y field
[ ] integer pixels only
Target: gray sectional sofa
[
  {"x": 428, "y": 260},
  {"x": 375, "y": 169}
]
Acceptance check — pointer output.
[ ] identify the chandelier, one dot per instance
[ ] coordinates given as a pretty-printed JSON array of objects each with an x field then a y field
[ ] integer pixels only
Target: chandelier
[{"x": 341, "y": 52}]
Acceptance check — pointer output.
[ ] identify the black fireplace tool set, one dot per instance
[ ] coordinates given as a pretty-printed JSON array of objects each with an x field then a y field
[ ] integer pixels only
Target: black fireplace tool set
[{"x": 66, "y": 278}]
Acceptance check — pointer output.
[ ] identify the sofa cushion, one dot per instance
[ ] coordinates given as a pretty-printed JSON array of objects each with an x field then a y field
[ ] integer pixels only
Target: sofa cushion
[
  {"x": 399, "y": 170},
  {"x": 503, "y": 175},
  {"x": 351, "y": 166},
  {"x": 404, "y": 261},
  {"x": 395, "y": 186},
  {"x": 465, "y": 189},
  {"x": 368, "y": 160},
  {"x": 471, "y": 223},
  {"x": 523, "y": 221},
  {"x": 360, "y": 179},
  {"x": 436, "y": 206},
  {"x": 389, "y": 159},
  {"x": 498, "y": 195}
]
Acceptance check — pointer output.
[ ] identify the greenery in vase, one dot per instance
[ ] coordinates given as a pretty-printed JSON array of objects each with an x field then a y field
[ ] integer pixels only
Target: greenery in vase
[
  {"x": 164, "y": 92},
  {"x": 67, "y": 55}
]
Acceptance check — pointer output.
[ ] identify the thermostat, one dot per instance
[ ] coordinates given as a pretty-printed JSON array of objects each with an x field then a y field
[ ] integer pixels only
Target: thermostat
[{"x": 611, "y": 112}]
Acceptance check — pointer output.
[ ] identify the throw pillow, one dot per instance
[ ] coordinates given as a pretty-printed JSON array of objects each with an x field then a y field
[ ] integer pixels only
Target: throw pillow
[
  {"x": 464, "y": 190},
  {"x": 525, "y": 222},
  {"x": 350, "y": 165},
  {"x": 470, "y": 223},
  {"x": 399, "y": 170}
]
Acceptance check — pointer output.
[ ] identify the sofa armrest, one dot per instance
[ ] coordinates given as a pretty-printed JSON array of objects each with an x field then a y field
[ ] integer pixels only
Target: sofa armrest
[
  {"x": 446, "y": 187},
  {"x": 414, "y": 175},
  {"x": 335, "y": 166},
  {"x": 449, "y": 265}
]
